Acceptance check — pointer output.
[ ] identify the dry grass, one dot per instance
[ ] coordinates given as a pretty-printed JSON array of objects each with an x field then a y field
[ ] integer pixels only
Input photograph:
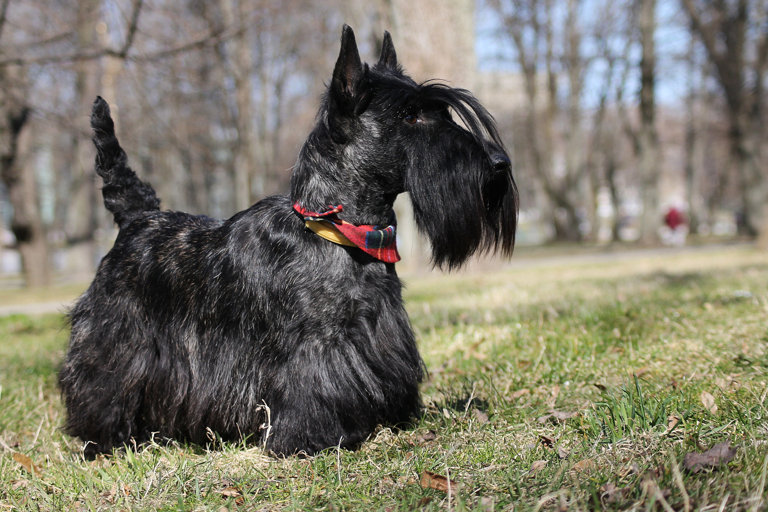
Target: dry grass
[{"x": 575, "y": 383}]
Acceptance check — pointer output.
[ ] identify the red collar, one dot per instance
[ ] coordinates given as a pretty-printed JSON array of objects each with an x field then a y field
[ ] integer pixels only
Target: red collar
[{"x": 378, "y": 241}]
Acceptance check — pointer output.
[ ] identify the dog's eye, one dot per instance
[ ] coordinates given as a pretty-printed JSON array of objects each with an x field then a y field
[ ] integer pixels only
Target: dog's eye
[{"x": 411, "y": 118}]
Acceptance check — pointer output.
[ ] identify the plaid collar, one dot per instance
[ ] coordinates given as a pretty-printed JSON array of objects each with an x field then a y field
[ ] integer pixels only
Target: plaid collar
[{"x": 380, "y": 242}]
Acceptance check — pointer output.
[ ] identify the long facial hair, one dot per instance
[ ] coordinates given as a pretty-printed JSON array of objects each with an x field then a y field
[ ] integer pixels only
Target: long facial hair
[{"x": 461, "y": 201}]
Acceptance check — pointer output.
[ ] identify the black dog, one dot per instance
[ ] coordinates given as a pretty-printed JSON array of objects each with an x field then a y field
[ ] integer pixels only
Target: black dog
[{"x": 258, "y": 326}]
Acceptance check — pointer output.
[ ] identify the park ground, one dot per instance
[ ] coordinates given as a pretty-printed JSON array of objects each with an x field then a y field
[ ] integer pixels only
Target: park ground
[{"x": 572, "y": 381}]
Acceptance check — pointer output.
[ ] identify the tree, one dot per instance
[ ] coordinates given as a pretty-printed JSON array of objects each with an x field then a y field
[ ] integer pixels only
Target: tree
[
  {"x": 648, "y": 139},
  {"x": 26, "y": 224},
  {"x": 17, "y": 177},
  {"x": 549, "y": 55},
  {"x": 605, "y": 151},
  {"x": 17, "y": 55},
  {"x": 735, "y": 37}
]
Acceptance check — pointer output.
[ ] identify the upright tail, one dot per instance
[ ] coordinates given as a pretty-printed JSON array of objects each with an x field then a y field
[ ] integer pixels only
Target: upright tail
[{"x": 125, "y": 195}]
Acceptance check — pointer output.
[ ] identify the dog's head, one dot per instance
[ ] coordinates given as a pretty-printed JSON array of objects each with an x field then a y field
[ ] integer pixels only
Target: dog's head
[{"x": 438, "y": 143}]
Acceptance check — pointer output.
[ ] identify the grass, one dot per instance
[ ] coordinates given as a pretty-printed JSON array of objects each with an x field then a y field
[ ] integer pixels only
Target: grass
[{"x": 561, "y": 385}]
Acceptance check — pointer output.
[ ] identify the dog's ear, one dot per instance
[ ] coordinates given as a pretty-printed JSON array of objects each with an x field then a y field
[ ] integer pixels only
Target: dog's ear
[
  {"x": 348, "y": 73},
  {"x": 347, "y": 95},
  {"x": 388, "y": 58}
]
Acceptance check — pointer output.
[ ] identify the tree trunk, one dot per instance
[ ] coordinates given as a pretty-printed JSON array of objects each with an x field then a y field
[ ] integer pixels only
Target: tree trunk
[
  {"x": 752, "y": 184},
  {"x": 691, "y": 143},
  {"x": 724, "y": 30},
  {"x": 241, "y": 64},
  {"x": 611, "y": 167},
  {"x": 648, "y": 137},
  {"x": 19, "y": 180},
  {"x": 79, "y": 193},
  {"x": 566, "y": 223}
]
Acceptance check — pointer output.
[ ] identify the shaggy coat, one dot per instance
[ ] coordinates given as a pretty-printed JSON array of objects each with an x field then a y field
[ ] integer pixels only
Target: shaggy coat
[{"x": 255, "y": 327}]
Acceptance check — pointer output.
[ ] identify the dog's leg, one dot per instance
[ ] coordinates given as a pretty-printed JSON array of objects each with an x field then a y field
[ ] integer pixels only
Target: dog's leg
[{"x": 101, "y": 409}]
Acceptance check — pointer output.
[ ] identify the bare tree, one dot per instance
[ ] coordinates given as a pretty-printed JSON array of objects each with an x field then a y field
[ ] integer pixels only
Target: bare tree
[
  {"x": 82, "y": 194},
  {"x": 648, "y": 137},
  {"x": 19, "y": 181},
  {"x": 547, "y": 54},
  {"x": 692, "y": 188},
  {"x": 57, "y": 42},
  {"x": 241, "y": 67},
  {"x": 604, "y": 152},
  {"x": 735, "y": 37},
  {"x": 17, "y": 177}
]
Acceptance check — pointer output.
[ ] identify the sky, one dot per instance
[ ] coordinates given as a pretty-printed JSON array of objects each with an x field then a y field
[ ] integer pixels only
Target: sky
[{"x": 496, "y": 52}]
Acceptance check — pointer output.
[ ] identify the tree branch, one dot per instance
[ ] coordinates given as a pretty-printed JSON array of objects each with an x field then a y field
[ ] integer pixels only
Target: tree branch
[
  {"x": 3, "y": 15},
  {"x": 762, "y": 54},
  {"x": 212, "y": 38},
  {"x": 705, "y": 31},
  {"x": 129, "y": 36}
]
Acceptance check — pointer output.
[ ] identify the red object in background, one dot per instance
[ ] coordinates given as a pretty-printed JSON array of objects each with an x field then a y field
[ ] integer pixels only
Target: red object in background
[{"x": 674, "y": 218}]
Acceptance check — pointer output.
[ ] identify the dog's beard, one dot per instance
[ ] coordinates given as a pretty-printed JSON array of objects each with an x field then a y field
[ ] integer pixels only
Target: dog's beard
[{"x": 462, "y": 204}]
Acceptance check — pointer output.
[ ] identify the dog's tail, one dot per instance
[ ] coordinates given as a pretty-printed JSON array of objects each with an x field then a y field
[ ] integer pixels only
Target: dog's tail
[{"x": 125, "y": 195}]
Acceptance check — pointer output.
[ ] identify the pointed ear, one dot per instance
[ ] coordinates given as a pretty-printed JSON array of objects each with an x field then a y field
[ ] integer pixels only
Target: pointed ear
[
  {"x": 348, "y": 73},
  {"x": 388, "y": 58},
  {"x": 347, "y": 94}
]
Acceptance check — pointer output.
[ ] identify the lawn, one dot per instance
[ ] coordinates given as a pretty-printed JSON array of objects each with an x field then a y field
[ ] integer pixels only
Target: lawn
[{"x": 620, "y": 382}]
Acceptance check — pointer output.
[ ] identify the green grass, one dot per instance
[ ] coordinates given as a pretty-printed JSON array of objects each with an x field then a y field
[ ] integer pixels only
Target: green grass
[{"x": 553, "y": 386}]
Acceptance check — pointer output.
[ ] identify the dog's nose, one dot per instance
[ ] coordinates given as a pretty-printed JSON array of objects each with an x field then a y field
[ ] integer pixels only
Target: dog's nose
[{"x": 500, "y": 161}]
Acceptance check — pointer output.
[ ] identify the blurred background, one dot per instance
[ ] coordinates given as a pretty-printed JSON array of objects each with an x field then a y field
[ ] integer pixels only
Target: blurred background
[{"x": 629, "y": 121}]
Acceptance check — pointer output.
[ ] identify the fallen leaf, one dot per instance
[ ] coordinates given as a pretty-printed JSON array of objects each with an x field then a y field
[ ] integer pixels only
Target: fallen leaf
[
  {"x": 650, "y": 486},
  {"x": 556, "y": 416},
  {"x": 487, "y": 503},
  {"x": 601, "y": 387},
  {"x": 109, "y": 496},
  {"x": 709, "y": 402},
  {"x": 537, "y": 466},
  {"x": 480, "y": 416},
  {"x": 584, "y": 465},
  {"x": 27, "y": 463},
  {"x": 610, "y": 494},
  {"x": 230, "y": 492},
  {"x": 19, "y": 484},
  {"x": 423, "y": 502},
  {"x": 520, "y": 392},
  {"x": 547, "y": 441},
  {"x": 632, "y": 469},
  {"x": 563, "y": 415},
  {"x": 720, "y": 454},
  {"x": 429, "y": 435},
  {"x": 430, "y": 480},
  {"x": 554, "y": 393},
  {"x": 672, "y": 422}
]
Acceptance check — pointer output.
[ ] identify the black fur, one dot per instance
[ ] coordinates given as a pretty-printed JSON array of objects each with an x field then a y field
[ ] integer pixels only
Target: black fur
[{"x": 255, "y": 326}]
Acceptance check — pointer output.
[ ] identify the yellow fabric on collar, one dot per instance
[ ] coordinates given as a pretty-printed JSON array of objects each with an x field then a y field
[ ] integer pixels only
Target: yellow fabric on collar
[{"x": 329, "y": 232}]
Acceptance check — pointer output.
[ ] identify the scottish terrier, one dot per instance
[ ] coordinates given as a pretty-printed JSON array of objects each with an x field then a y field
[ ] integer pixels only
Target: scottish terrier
[{"x": 284, "y": 325}]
